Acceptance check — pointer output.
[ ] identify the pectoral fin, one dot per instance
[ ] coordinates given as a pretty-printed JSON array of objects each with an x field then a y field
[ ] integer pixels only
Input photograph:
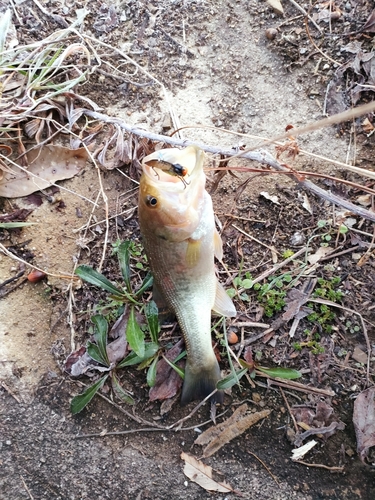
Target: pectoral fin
[
  {"x": 223, "y": 303},
  {"x": 218, "y": 246},
  {"x": 193, "y": 252}
]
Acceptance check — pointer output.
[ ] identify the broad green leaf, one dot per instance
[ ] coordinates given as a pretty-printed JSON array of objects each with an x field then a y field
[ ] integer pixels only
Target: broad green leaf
[
  {"x": 134, "y": 359},
  {"x": 120, "y": 391},
  {"x": 231, "y": 380},
  {"x": 151, "y": 373},
  {"x": 94, "y": 352},
  {"x": 89, "y": 274},
  {"x": 101, "y": 335},
  {"x": 11, "y": 225},
  {"x": 175, "y": 367},
  {"x": 123, "y": 255},
  {"x": 134, "y": 335},
  {"x": 146, "y": 284},
  {"x": 287, "y": 373},
  {"x": 152, "y": 316},
  {"x": 79, "y": 402}
]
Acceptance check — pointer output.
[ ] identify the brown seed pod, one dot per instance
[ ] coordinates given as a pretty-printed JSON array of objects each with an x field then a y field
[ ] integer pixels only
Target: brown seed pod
[
  {"x": 34, "y": 276},
  {"x": 271, "y": 33},
  {"x": 232, "y": 338}
]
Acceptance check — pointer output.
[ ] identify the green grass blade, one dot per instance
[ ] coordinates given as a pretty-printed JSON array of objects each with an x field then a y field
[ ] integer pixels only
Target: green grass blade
[
  {"x": 123, "y": 255},
  {"x": 94, "y": 352},
  {"x": 120, "y": 391},
  {"x": 93, "y": 277},
  {"x": 152, "y": 316},
  {"x": 146, "y": 284},
  {"x": 151, "y": 373},
  {"x": 231, "y": 380},
  {"x": 100, "y": 335},
  {"x": 134, "y": 335},
  {"x": 286, "y": 373},
  {"x": 11, "y": 225},
  {"x": 79, "y": 402},
  {"x": 133, "y": 359},
  {"x": 175, "y": 367}
]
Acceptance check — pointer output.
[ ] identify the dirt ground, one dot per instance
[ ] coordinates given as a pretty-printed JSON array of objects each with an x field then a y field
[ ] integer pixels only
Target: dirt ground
[{"x": 241, "y": 66}]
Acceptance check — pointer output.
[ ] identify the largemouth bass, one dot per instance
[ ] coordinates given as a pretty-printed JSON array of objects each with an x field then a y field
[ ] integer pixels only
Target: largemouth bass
[{"x": 180, "y": 240}]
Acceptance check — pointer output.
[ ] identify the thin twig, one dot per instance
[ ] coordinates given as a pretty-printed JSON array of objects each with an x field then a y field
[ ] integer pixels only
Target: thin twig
[
  {"x": 254, "y": 239},
  {"x": 6, "y": 252},
  {"x": 104, "y": 433},
  {"x": 265, "y": 466},
  {"x": 194, "y": 410},
  {"x": 289, "y": 410},
  {"x": 291, "y": 384},
  {"x": 27, "y": 489},
  {"x": 322, "y": 466},
  {"x": 301, "y": 9},
  {"x": 3, "y": 384},
  {"x": 276, "y": 268}
]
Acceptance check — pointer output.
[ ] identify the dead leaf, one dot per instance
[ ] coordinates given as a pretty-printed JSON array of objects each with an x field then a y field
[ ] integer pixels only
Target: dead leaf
[
  {"x": 306, "y": 203},
  {"x": 364, "y": 200},
  {"x": 296, "y": 299},
  {"x": 168, "y": 382},
  {"x": 367, "y": 126},
  {"x": 233, "y": 430},
  {"x": 215, "y": 430},
  {"x": 369, "y": 25},
  {"x": 201, "y": 474},
  {"x": 364, "y": 422},
  {"x": 46, "y": 165},
  {"x": 267, "y": 196},
  {"x": 359, "y": 355},
  {"x": 276, "y": 5},
  {"x": 319, "y": 254}
]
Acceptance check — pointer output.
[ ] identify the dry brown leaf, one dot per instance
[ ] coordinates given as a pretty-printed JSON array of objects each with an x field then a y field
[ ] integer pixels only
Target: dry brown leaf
[
  {"x": 212, "y": 432},
  {"x": 234, "y": 430},
  {"x": 201, "y": 474},
  {"x": 319, "y": 254},
  {"x": 364, "y": 422},
  {"x": 276, "y": 5},
  {"x": 168, "y": 382},
  {"x": 46, "y": 165}
]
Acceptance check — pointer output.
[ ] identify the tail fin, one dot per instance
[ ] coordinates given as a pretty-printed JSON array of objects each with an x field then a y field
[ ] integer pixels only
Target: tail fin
[{"x": 198, "y": 384}]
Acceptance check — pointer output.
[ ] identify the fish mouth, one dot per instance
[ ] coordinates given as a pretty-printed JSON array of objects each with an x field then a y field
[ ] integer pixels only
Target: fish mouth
[{"x": 174, "y": 169}]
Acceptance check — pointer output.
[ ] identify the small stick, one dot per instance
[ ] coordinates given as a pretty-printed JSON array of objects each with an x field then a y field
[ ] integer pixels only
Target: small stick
[
  {"x": 3, "y": 384},
  {"x": 301, "y": 9},
  {"x": 265, "y": 466},
  {"x": 274, "y": 269},
  {"x": 294, "y": 385},
  {"x": 289, "y": 410},
  {"x": 322, "y": 466},
  {"x": 26, "y": 488},
  {"x": 255, "y": 239}
]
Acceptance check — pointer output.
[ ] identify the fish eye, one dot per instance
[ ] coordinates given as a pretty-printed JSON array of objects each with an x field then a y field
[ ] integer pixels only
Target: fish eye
[{"x": 151, "y": 201}]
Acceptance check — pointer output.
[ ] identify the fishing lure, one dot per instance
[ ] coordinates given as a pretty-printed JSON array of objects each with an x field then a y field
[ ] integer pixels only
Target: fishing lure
[{"x": 171, "y": 168}]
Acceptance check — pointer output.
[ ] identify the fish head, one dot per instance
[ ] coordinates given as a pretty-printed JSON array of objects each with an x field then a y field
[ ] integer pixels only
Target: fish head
[{"x": 171, "y": 193}]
